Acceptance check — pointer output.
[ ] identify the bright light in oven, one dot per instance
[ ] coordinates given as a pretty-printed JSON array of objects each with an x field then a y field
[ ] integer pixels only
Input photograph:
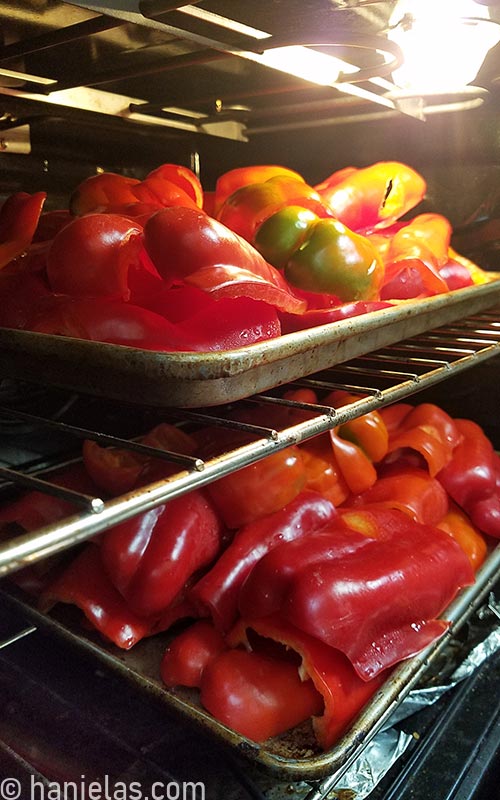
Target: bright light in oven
[{"x": 444, "y": 43}]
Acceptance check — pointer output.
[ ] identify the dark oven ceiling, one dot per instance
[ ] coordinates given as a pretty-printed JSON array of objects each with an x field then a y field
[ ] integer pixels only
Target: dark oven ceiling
[
  {"x": 165, "y": 71},
  {"x": 192, "y": 67}
]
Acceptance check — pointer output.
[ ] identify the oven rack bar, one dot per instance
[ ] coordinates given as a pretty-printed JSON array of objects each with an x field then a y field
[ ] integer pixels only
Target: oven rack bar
[{"x": 380, "y": 378}]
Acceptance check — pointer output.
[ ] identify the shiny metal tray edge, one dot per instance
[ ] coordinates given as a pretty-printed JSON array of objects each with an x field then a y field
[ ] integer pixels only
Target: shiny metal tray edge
[
  {"x": 140, "y": 666},
  {"x": 200, "y": 379}
]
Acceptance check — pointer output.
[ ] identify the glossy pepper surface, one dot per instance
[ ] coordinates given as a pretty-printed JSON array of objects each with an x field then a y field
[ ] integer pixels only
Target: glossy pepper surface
[
  {"x": 408, "y": 489},
  {"x": 343, "y": 692},
  {"x": 19, "y": 216},
  {"x": 426, "y": 430},
  {"x": 216, "y": 593},
  {"x": 335, "y": 260},
  {"x": 249, "y": 207},
  {"x": 186, "y": 244},
  {"x": 372, "y": 197},
  {"x": 151, "y": 557},
  {"x": 250, "y": 692},
  {"x": 472, "y": 477},
  {"x": 86, "y": 584},
  {"x": 379, "y": 603}
]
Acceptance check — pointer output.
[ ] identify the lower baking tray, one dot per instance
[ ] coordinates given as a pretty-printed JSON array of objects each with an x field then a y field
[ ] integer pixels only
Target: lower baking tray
[
  {"x": 292, "y": 756},
  {"x": 194, "y": 380}
]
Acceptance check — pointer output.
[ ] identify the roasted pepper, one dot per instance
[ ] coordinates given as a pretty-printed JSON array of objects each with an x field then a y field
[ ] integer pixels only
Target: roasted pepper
[
  {"x": 86, "y": 584},
  {"x": 185, "y": 244},
  {"x": 19, "y": 216},
  {"x": 239, "y": 497},
  {"x": 457, "y": 524},
  {"x": 216, "y": 593},
  {"x": 409, "y": 489},
  {"x": 335, "y": 260},
  {"x": 472, "y": 477},
  {"x": 229, "y": 182},
  {"x": 372, "y": 197},
  {"x": 250, "y": 692},
  {"x": 415, "y": 254},
  {"x": 426, "y": 430},
  {"x": 168, "y": 185},
  {"x": 249, "y": 207},
  {"x": 343, "y": 692},
  {"x": 151, "y": 557},
  {"x": 355, "y": 603}
]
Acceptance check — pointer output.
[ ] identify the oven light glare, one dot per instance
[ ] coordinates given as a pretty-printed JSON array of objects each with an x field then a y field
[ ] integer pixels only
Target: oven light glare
[
  {"x": 306, "y": 63},
  {"x": 444, "y": 43}
]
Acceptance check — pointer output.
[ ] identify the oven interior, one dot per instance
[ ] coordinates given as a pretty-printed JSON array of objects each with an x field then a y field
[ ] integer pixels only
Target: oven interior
[{"x": 124, "y": 87}]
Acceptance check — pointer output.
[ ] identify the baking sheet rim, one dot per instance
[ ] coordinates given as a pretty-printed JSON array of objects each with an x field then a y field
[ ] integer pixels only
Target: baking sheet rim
[
  {"x": 226, "y": 376},
  {"x": 315, "y": 767}
]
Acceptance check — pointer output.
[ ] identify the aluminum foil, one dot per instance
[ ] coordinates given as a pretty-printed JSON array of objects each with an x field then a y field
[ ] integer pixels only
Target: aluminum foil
[{"x": 387, "y": 746}]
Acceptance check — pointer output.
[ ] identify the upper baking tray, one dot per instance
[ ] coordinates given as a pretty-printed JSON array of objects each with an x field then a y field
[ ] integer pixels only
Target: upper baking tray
[{"x": 200, "y": 379}]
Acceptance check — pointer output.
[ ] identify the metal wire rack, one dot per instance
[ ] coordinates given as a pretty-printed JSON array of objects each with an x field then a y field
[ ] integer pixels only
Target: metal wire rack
[{"x": 377, "y": 379}]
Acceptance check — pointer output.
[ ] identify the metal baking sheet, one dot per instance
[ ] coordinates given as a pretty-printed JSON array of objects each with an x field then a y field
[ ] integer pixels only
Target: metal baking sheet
[
  {"x": 194, "y": 380},
  {"x": 291, "y": 756}
]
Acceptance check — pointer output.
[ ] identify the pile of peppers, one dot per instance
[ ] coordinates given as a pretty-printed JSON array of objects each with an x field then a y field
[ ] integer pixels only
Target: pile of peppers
[
  {"x": 161, "y": 264},
  {"x": 314, "y": 588}
]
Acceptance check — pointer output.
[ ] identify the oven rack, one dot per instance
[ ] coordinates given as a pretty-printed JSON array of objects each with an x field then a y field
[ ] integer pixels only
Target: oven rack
[{"x": 380, "y": 378}]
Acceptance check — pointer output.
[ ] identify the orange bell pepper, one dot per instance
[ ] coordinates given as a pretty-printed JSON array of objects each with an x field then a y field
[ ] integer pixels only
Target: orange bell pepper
[
  {"x": 373, "y": 197},
  {"x": 459, "y": 526}
]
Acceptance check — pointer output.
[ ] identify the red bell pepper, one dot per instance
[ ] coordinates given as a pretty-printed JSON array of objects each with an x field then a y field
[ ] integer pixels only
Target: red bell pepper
[
  {"x": 372, "y": 197},
  {"x": 92, "y": 255},
  {"x": 85, "y": 584},
  {"x": 266, "y": 587},
  {"x": 19, "y": 217},
  {"x": 343, "y": 692},
  {"x": 378, "y": 603},
  {"x": 150, "y": 557},
  {"x": 216, "y": 593},
  {"x": 169, "y": 184},
  {"x": 323, "y": 316},
  {"x": 97, "y": 193},
  {"x": 35, "y": 509},
  {"x": 190, "y": 652},
  {"x": 470, "y": 475},
  {"x": 414, "y": 257},
  {"x": 239, "y": 498},
  {"x": 355, "y": 466},
  {"x": 101, "y": 319},
  {"x": 472, "y": 478},
  {"x": 323, "y": 474},
  {"x": 456, "y": 275},
  {"x": 408, "y": 489},
  {"x": 477, "y": 274},
  {"x": 427, "y": 430},
  {"x": 230, "y": 323},
  {"x": 186, "y": 244},
  {"x": 250, "y": 692},
  {"x": 118, "y": 470}
]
